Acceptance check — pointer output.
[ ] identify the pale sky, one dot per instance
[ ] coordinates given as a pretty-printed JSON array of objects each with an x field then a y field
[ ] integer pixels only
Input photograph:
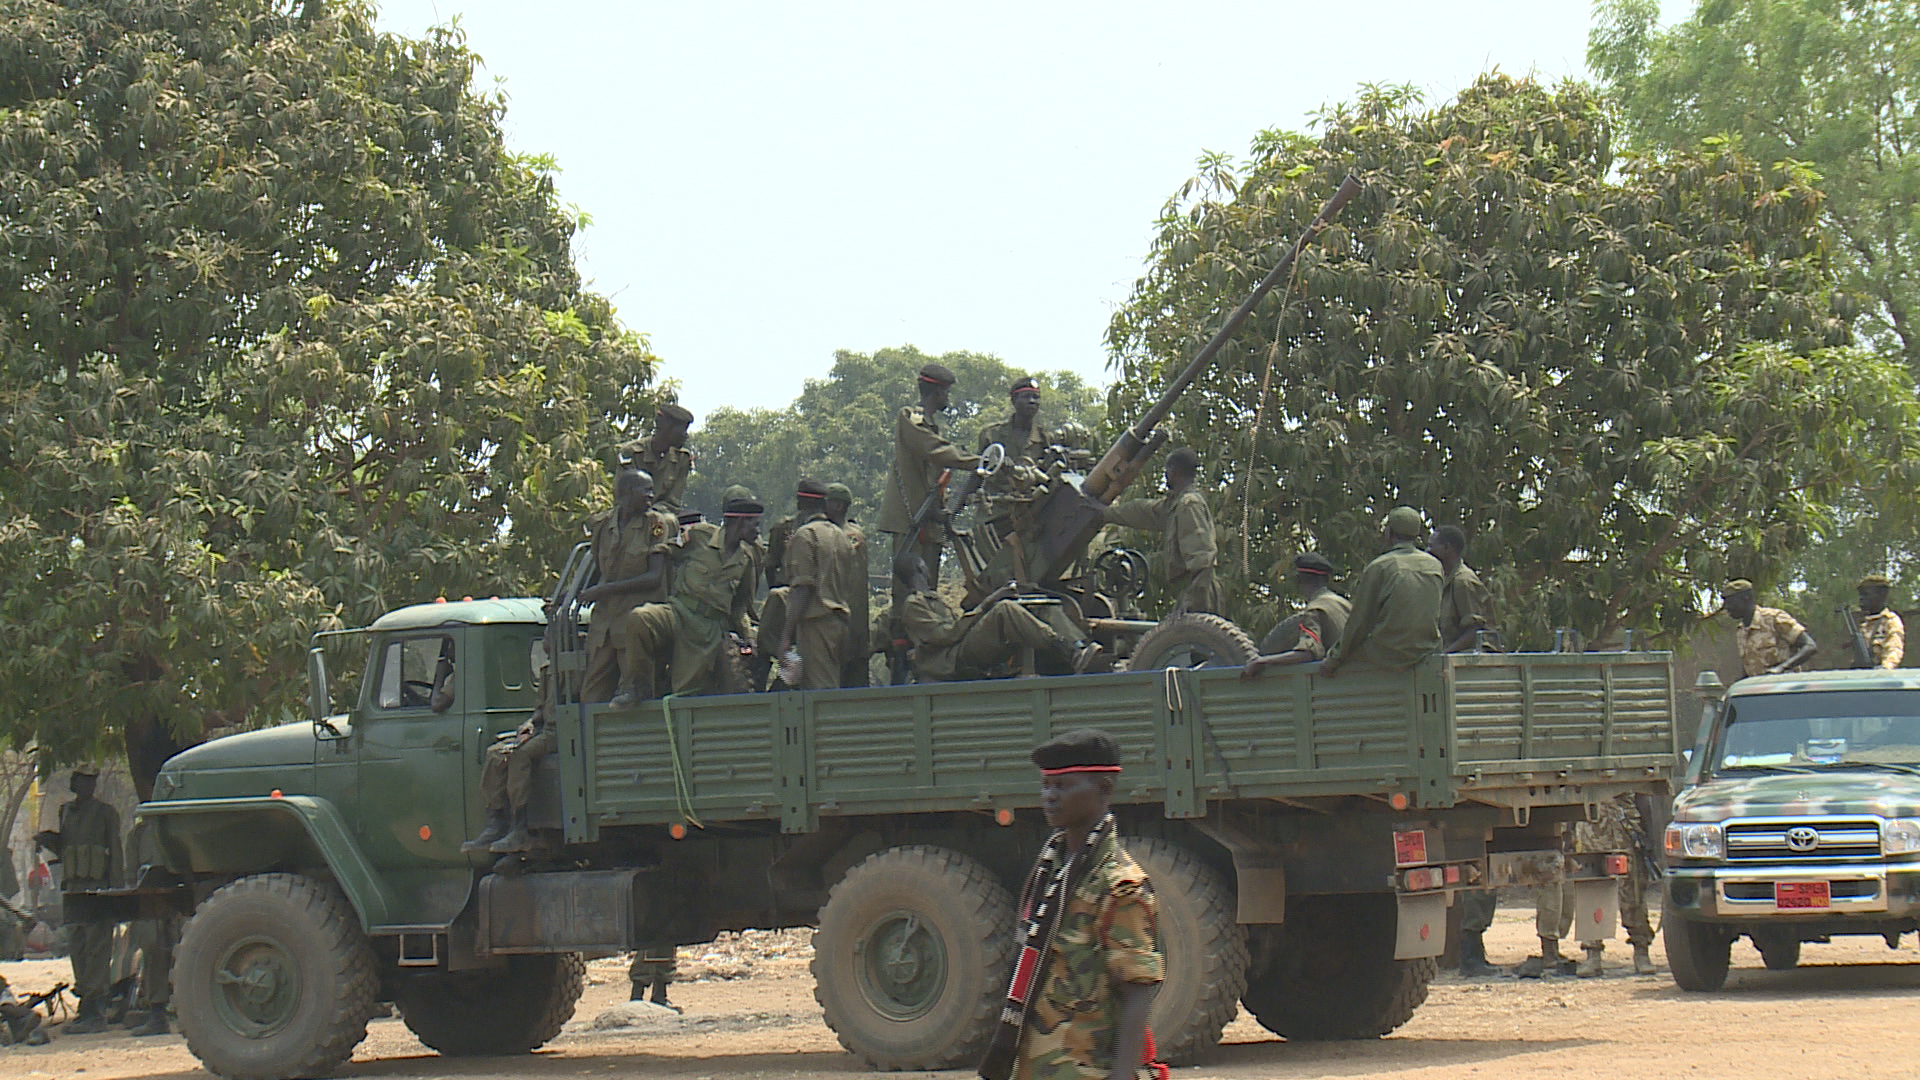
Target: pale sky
[{"x": 771, "y": 182}]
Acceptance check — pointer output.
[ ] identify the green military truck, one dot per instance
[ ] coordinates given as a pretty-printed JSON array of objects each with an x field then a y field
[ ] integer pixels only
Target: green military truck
[
  {"x": 1799, "y": 820},
  {"x": 1305, "y": 835}
]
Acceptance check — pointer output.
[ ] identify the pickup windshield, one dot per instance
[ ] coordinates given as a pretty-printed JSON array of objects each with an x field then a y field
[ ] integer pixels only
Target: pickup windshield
[{"x": 1819, "y": 729}]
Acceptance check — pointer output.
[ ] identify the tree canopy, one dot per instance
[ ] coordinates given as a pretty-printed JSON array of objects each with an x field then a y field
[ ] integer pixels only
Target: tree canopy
[
  {"x": 289, "y": 337},
  {"x": 1625, "y": 376},
  {"x": 840, "y": 428}
]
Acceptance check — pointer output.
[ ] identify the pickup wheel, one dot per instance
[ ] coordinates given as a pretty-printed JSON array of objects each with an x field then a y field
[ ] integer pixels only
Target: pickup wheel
[
  {"x": 1205, "y": 949},
  {"x": 1779, "y": 951},
  {"x": 1328, "y": 972},
  {"x": 1697, "y": 952},
  {"x": 1190, "y": 641},
  {"x": 511, "y": 1010},
  {"x": 274, "y": 979},
  {"x": 910, "y": 962}
]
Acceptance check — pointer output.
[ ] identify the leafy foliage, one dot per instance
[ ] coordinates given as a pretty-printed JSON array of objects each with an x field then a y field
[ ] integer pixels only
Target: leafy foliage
[
  {"x": 1624, "y": 377},
  {"x": 289, "y": 338},
  {"x": 840, "y": 428}
]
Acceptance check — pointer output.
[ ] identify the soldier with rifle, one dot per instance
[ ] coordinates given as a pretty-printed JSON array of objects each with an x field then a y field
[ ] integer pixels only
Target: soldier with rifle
[
  {"x": 1878, "y": 635},
  {"x": 920, "y": 455},
  {"x": 88, "y": 844},
  {"x": 1771, "y": 641}
]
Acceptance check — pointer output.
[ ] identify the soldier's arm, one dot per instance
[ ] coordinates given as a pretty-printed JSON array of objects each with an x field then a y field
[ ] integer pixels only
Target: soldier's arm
[
  {"x": 1474, "y": 603},
  {"x": 655, "y": 575},
  {"x": 1896, "y": 643},
  {"x": 803, "y": 583},
  {"x": 1136, "y": 968},
  {"x": 1366, "y": 604},
  {"x": 931, "y": 447},
  {"x": 1137, "y": 514},
  {"x": 740, "y": 618}
]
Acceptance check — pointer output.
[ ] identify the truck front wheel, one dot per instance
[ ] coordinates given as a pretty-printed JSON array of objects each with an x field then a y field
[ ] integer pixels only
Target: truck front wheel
[
  {"x": 1697, "y": 952},
  {"x": 910, "y": 962},
  {"x": 274, "y": 979},
  {"x": 512, "y": 1009},
  {"x": 1328, "y": 972}
]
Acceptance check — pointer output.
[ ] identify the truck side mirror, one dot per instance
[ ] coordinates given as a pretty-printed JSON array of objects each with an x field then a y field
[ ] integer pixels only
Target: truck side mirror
[{"x": 319, "y": 701}]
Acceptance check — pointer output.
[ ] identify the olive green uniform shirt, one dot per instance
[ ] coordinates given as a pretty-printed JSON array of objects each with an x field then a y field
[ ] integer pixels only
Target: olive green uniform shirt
[
  {"x": 777, "y": 538},
  {"x": 920, "y": 452},
  {"x": 1315, "y": 629},
  {"x": 89, "y": 845},
  {"x": 622, "y": 551},
  {"x": 821, "y": 555},
  {"x": 670, "y": 470},
  {"x": 1032, "y": 448},
  {"x": 1187, "y": 548},
  {"x": 712, "y": 594},
  {"x": 1465, "y": 605},
  {"x": 1396, "y": 610}
]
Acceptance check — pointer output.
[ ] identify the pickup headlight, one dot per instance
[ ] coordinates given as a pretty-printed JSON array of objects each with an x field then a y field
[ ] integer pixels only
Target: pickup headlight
[
  {"x": 1901, "y": 836},
  {"x": 1695, "y": 840}
]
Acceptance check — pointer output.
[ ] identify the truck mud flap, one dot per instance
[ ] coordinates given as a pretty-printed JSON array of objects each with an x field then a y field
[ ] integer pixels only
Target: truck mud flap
[
  {"x": 1422, "y": 926},
  {"x": 1596, "y": 906},
  {"x": 571, "y": 911}
]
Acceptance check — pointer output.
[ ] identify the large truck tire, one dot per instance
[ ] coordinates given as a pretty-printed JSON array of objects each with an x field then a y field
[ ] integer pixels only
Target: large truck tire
[
  {"x": 274, "y": 979},
  {"x": 1328, "y": 972},
  {"x": 1190, "y": 641},
  {"x": 514, "y": 1009},
  {"x": 1204, "y": 946},
  {"x": 911, "y": 959},
  {"x": 1698, "y": 953},
  {"x": 1779, "y": 949}
]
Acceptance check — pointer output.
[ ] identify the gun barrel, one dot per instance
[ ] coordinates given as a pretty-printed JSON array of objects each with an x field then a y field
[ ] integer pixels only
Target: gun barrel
[{"x": 1109, "y": 476}]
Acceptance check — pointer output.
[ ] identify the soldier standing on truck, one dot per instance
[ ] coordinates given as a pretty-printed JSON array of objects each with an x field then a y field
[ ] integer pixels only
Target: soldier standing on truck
[
  {"x": 1771, "y": 641},
  {"x": 664, "y": 456},
  {"x": 1020, "y": 433},
  {"x": 1880, "y": 625},
  {"x": 1465, "y": 610},
  {"x": 920, "y": 454},
  {"x": 88, "y": 845},
  {"x": 950, "y": 645},
  {"x": 1307, "y": 635},
  {"x": 1396, "y": 602},
  {"x": 712, "y": 595},
  {"x": 819, "y": 562},
  {"x": 1187, "y": 550},
  {"x": 630, "y": 545},
  {"x": 859, "y": 594},
  {"x": 1089, "y": 959}
]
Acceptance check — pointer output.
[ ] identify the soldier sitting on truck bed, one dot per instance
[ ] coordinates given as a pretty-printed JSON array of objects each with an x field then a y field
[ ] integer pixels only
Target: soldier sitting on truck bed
[
  {"x": 630, "y": 545},
  {"x": 506, "y": 781},
  {"x": 949, "y": 645},
  {"x": 1771, "y": 641},
  {"x": 713, "y": 583},
  {"x": 1307, "y": 635},
  {"x": 1396, "y": 602},
  {"x": 1187, "y": 551}
]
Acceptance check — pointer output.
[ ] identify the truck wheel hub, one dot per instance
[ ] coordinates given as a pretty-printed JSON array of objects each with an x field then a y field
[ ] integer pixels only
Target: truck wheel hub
[
  {"x": 904, "y": 966},
  {"x": 256, "y": 988}
]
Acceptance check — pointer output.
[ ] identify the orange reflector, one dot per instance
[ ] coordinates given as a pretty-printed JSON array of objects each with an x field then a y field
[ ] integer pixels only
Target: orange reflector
[
  {"x": 1003, "y": 817},
  {"x": 439, "y": 599},
  {"x": 426, "y": 832},
  {"x": 274, "y": 794},
  {"x": 467, "y": 598},
  {"x": 1399, "y": 800},
  {"x": 1616, "y": 865},
  {"x": 677, "y": 831}
]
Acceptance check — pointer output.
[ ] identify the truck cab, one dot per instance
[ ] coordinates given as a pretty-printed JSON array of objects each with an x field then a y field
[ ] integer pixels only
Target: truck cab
[{"x": 1798, "y": 820}]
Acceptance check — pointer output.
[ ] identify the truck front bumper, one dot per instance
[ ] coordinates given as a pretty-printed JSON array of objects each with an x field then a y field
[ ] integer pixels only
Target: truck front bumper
[{"x": 1880, "y": 891}]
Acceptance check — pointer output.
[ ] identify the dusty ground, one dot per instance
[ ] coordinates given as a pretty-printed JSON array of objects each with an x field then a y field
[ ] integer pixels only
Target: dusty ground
[{"x": 1847, "y": 1012}]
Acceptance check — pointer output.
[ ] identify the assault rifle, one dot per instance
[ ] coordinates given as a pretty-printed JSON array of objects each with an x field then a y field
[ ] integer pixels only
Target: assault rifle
[
  {"x": 1862, "y": 652},
  {"x": 52, "y": 1000}
]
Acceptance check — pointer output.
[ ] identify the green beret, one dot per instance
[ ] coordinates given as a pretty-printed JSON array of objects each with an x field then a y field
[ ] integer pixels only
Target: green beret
[
  {"x": 736, "y": 491},
  {"x": 1406, "y": 521},
  {"x": 839, "y": 493},
  {"x": 744, "y": 508},
  {"x": 1737, "y": 585}
]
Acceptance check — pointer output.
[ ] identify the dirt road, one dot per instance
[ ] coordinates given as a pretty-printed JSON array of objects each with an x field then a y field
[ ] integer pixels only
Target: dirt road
[{"x": 1823, "y": 1020}]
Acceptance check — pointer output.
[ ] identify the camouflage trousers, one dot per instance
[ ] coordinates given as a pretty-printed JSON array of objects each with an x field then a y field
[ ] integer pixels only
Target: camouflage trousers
[
  {"x": 1476, "y": 910},
  {"x": 1554, "y": 909}
]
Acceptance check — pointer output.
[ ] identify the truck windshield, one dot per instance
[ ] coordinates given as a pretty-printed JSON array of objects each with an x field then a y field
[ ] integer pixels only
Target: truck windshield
[{"x": 1820, "y": 729}]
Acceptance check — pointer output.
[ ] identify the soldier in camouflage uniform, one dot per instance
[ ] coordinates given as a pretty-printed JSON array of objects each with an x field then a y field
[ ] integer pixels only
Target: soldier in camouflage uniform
[
  {"x": 664, "y": 456},
  {"x": 1619, "y": 829},
  {"x": 1771, "y": 641},
  {"x": 1886, "y": 635},
  {"x": 1188, "y": 548},
  {"x": 88, "y": 844},
  {"x": 1077, "y": 1008}
]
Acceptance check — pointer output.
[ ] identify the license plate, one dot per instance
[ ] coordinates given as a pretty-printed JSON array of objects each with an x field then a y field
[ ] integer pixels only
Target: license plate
[
  {"x": 1802, "y": 894},
  {"x": 1410, "y": 848}
]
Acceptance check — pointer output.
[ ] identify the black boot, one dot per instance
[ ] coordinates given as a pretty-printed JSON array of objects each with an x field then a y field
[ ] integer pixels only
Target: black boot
[
  {"x": 496, "y": 828},
  {"x": 87, "y": 1020},
  {"x": 660, "y": 994},
  {"x": 517, "y": 839},
  {"x": 639, "y": 990},
  {"x": 1473, "y": 957},
  {"x": 156, "y": 1023}
]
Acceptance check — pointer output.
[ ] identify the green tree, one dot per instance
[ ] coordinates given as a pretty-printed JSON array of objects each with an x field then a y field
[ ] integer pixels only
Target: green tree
[
  {"x": 1624, "y": 376},
  {"x": 840, "y": 428},
  {"x": 289, "y": 337}
]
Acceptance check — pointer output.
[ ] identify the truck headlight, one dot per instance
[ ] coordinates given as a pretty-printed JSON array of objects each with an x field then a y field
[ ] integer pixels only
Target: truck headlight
[
  {"x": 1695, "y": 840},
  {"x": 1901, "y": 836}
]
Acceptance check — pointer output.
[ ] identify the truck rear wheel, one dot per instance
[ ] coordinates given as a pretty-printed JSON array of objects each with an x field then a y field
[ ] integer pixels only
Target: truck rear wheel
[
  {"x": 910, "y": 963},
  {"x": 1328, "y": 972},
  {"x": 1779, "y": 951},
  {"x": 274, "y": 979},
  {"x": 1190, "y": 641},
  {"x": 1697, "y": 952},
  {"x": 509, "y": 1010},
  {"x": 1205, "y": 949}
]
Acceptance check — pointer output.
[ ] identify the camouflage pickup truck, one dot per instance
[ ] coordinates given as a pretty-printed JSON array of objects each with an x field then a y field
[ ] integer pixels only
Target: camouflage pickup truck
[
  {"x": 1799, "y": 820},
  {"x": 1306, "y": 837}
]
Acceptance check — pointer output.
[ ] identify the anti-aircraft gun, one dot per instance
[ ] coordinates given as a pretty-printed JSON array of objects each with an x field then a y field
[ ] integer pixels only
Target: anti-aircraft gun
[{"x": 1036, "y": 528}]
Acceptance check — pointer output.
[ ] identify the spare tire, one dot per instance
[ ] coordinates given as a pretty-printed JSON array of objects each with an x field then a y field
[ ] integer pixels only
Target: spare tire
[{"x": 1192, "y": 640}]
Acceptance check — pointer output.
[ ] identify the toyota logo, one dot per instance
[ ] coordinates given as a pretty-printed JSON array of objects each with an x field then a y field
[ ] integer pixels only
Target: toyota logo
[{"x": 1803, "y": 838}]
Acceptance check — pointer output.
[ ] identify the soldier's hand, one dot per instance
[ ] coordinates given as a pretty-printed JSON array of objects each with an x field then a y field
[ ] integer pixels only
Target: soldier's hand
[
  {"x": 1328, "y": 668},
  {"x": 1254, "y": 668}
]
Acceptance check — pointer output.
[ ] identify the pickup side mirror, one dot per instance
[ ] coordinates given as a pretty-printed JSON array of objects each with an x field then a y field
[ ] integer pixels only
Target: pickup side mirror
[{"x": 319, "y": 701}]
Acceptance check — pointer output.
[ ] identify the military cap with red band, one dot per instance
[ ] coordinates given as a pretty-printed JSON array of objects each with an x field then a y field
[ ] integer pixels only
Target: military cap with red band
[
  {"x": 1028, "y": 383},
  {"x": 1085, "y": 750},
  {"x": 937, "y": 374}
]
